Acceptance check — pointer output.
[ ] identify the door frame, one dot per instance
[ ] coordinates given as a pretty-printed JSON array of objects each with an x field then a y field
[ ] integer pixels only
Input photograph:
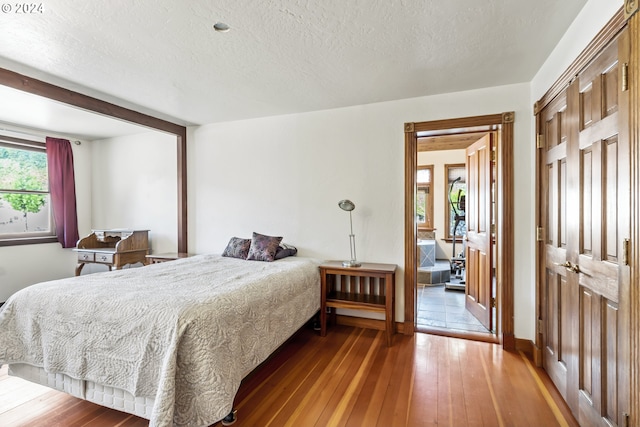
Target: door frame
[{"x": 504, "y": 218}]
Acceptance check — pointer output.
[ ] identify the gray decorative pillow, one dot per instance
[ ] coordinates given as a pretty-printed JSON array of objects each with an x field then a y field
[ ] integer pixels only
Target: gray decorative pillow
[
  {"x": 263, "y": 248},
  {"x": 285, "y": 250},
  {"x": 237, "y": 248}
]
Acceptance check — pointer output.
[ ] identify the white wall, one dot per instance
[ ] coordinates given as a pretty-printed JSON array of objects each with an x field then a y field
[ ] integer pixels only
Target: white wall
[
  {"x": 134, "y": 186},
  {"x": 21, "y": 266},
  {"x": 440, "y": 188},
  {"x": 591, "y": 19},
  {"x": 285, "y": 175}
]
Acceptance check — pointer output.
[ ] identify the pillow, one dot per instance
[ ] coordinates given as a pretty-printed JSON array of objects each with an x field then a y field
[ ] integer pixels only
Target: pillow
[
  {"x": 285, "y": 250},
  {"x": 263, "y": 248},
  {"x": 237, "y": 248}
]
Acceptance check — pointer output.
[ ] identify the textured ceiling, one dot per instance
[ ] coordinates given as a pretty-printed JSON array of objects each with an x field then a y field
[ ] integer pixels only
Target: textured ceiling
[{"x": 279, "y": 56}]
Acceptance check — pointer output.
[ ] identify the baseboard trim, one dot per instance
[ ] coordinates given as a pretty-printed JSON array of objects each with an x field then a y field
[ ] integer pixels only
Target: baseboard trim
[
  {"x": 537, "y": 356},
  {"x": 509, "y": 342},
  {"x": 525, "y": 346}
]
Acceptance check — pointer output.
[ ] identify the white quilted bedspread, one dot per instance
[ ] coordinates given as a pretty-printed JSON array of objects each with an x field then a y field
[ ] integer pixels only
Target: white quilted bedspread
[{"x": 184, "y": 332}]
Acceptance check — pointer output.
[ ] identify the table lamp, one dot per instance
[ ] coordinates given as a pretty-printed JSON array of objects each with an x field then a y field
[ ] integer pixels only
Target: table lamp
[{"x": 348, "y": 205}]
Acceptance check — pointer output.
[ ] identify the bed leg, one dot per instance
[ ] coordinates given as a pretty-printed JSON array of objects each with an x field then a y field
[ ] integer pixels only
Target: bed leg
[{"x": 231, "y": 418}]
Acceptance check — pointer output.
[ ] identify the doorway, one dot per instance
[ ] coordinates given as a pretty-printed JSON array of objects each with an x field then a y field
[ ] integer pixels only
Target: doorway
[
  {"x": 455, "y": 240},
  {"x": 491, "y": 226}
]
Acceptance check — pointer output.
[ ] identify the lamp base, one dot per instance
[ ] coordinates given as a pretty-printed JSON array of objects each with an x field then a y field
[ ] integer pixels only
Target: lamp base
[{"x": 352, "y": 263}]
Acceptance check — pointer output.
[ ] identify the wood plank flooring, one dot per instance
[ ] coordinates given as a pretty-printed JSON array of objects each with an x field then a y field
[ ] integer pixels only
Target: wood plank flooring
[{"x": 349, "y": 378}]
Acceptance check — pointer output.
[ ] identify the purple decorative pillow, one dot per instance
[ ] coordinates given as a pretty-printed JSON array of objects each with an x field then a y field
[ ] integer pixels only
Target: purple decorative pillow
[
  {"x": 263, "y": 248},
  {"x": 237, "y": 248}
]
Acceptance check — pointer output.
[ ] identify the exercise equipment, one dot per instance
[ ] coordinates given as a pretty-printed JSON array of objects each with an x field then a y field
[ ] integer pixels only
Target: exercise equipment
[{"x": 458, "y": 262}]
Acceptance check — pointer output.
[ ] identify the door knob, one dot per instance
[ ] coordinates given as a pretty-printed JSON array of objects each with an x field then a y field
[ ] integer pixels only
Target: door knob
[
  {"x": 565, "y": 264},
  {"x": 570, "y": 266}
]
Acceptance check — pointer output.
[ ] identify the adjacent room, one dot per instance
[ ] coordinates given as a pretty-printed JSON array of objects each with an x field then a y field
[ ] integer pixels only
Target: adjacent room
[{"x": 319, "y": 213}]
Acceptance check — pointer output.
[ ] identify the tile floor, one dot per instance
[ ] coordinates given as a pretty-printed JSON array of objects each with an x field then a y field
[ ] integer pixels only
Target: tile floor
[{"x": 438, "y": 307}]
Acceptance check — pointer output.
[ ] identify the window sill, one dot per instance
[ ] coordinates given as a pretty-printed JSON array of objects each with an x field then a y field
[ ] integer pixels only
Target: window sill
[
  {"x": 28, "y": 241},
  {"x": 450, "y": 240}
]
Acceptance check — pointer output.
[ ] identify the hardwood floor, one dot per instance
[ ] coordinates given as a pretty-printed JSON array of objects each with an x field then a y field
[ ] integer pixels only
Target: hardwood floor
[{"x": 349, "y": 378}]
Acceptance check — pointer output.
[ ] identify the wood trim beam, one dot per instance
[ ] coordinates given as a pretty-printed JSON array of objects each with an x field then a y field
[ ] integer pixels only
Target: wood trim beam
[
  {"x": 182, "y": 192},
  {"x": 38, "y": 87},
  {"x": 539, "y": 245},
  {"x": 56, "y": 93},
  {"x": 410, "y": 227},
  {"x": 505, "y": 229},
  {"x": 634, "y": 258},
  {"x": 630, "y": 8},
  {"x": 459, "y": 123}
]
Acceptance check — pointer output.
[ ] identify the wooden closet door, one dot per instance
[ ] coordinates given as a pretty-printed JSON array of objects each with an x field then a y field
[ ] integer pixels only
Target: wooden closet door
[
  {"x": 586, "y": 218},
  {"x": 559, "y": 286},
  {"x": 603, "y": 161}
]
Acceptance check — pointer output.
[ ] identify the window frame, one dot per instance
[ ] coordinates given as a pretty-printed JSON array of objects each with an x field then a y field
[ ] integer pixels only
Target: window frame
[
  {"x": 428, "y": 225},
  {"x": 447, "y": 214},
  {"x": 32, "y": 238}
]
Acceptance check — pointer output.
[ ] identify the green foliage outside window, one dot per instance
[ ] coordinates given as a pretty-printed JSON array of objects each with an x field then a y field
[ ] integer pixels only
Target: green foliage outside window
[
  {"x": 23, "y": 170},
  {"x": 420, "y": 208}
]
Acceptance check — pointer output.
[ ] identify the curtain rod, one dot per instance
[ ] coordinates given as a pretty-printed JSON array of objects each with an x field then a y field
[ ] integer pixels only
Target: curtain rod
[{"x": 23, "y": 141}]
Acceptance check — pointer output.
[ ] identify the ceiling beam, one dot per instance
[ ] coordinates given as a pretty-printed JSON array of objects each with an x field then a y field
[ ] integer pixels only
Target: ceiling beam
[
  {"x": 38, "y": 87},
  {"x": 448, "y": 142}
]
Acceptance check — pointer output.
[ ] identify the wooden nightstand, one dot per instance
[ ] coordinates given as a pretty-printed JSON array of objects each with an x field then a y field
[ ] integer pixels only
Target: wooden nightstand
[
  {"x": 370, "y": 287},
  {"x": 158, "y": 258}
]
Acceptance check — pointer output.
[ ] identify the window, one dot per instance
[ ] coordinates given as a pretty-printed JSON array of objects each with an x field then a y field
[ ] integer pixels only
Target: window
[
  {"x": 424, "y": 198},
  {"x": 25, "y": 205},
  {"x": 455, "y": 193}
]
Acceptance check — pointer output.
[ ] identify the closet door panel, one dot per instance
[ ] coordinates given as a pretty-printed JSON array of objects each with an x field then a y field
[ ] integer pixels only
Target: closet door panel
[
  {"x": 603, "y": 221},
  {"x": 559, "y": 344}
]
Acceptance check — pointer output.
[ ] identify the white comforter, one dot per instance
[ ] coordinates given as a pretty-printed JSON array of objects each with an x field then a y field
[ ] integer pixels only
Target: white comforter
[{"x": 183, "y": 332}]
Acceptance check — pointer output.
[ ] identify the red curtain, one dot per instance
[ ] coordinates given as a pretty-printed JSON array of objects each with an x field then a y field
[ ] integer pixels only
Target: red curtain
[{"x": 62, "y": 187}]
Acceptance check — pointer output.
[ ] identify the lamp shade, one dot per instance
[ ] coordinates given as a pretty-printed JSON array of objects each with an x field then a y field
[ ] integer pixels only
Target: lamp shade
[{"x": 346, "y": 205}]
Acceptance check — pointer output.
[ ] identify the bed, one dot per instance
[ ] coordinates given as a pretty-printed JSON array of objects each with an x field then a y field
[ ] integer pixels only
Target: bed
[{"x": 169, "y": 342}]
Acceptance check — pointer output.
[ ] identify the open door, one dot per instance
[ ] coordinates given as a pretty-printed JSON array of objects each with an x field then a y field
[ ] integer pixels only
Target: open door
[{"x": 478, "y": 290}]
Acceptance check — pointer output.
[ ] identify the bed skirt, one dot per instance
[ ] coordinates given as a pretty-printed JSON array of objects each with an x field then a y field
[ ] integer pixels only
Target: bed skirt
[{"x": 110, "y": 397}]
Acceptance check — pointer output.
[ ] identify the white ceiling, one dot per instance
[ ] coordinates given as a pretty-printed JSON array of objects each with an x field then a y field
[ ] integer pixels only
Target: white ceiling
[
  {"x": 280, "y": 56},
  {"x": 43, "y": 116}
]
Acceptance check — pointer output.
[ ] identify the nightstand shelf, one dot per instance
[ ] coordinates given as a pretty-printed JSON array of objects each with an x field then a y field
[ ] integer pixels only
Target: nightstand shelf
[
  {"x": 158, "y": 258},
  {"x": 351, "y": 300},
  {"x": 370, "y": 287}
]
